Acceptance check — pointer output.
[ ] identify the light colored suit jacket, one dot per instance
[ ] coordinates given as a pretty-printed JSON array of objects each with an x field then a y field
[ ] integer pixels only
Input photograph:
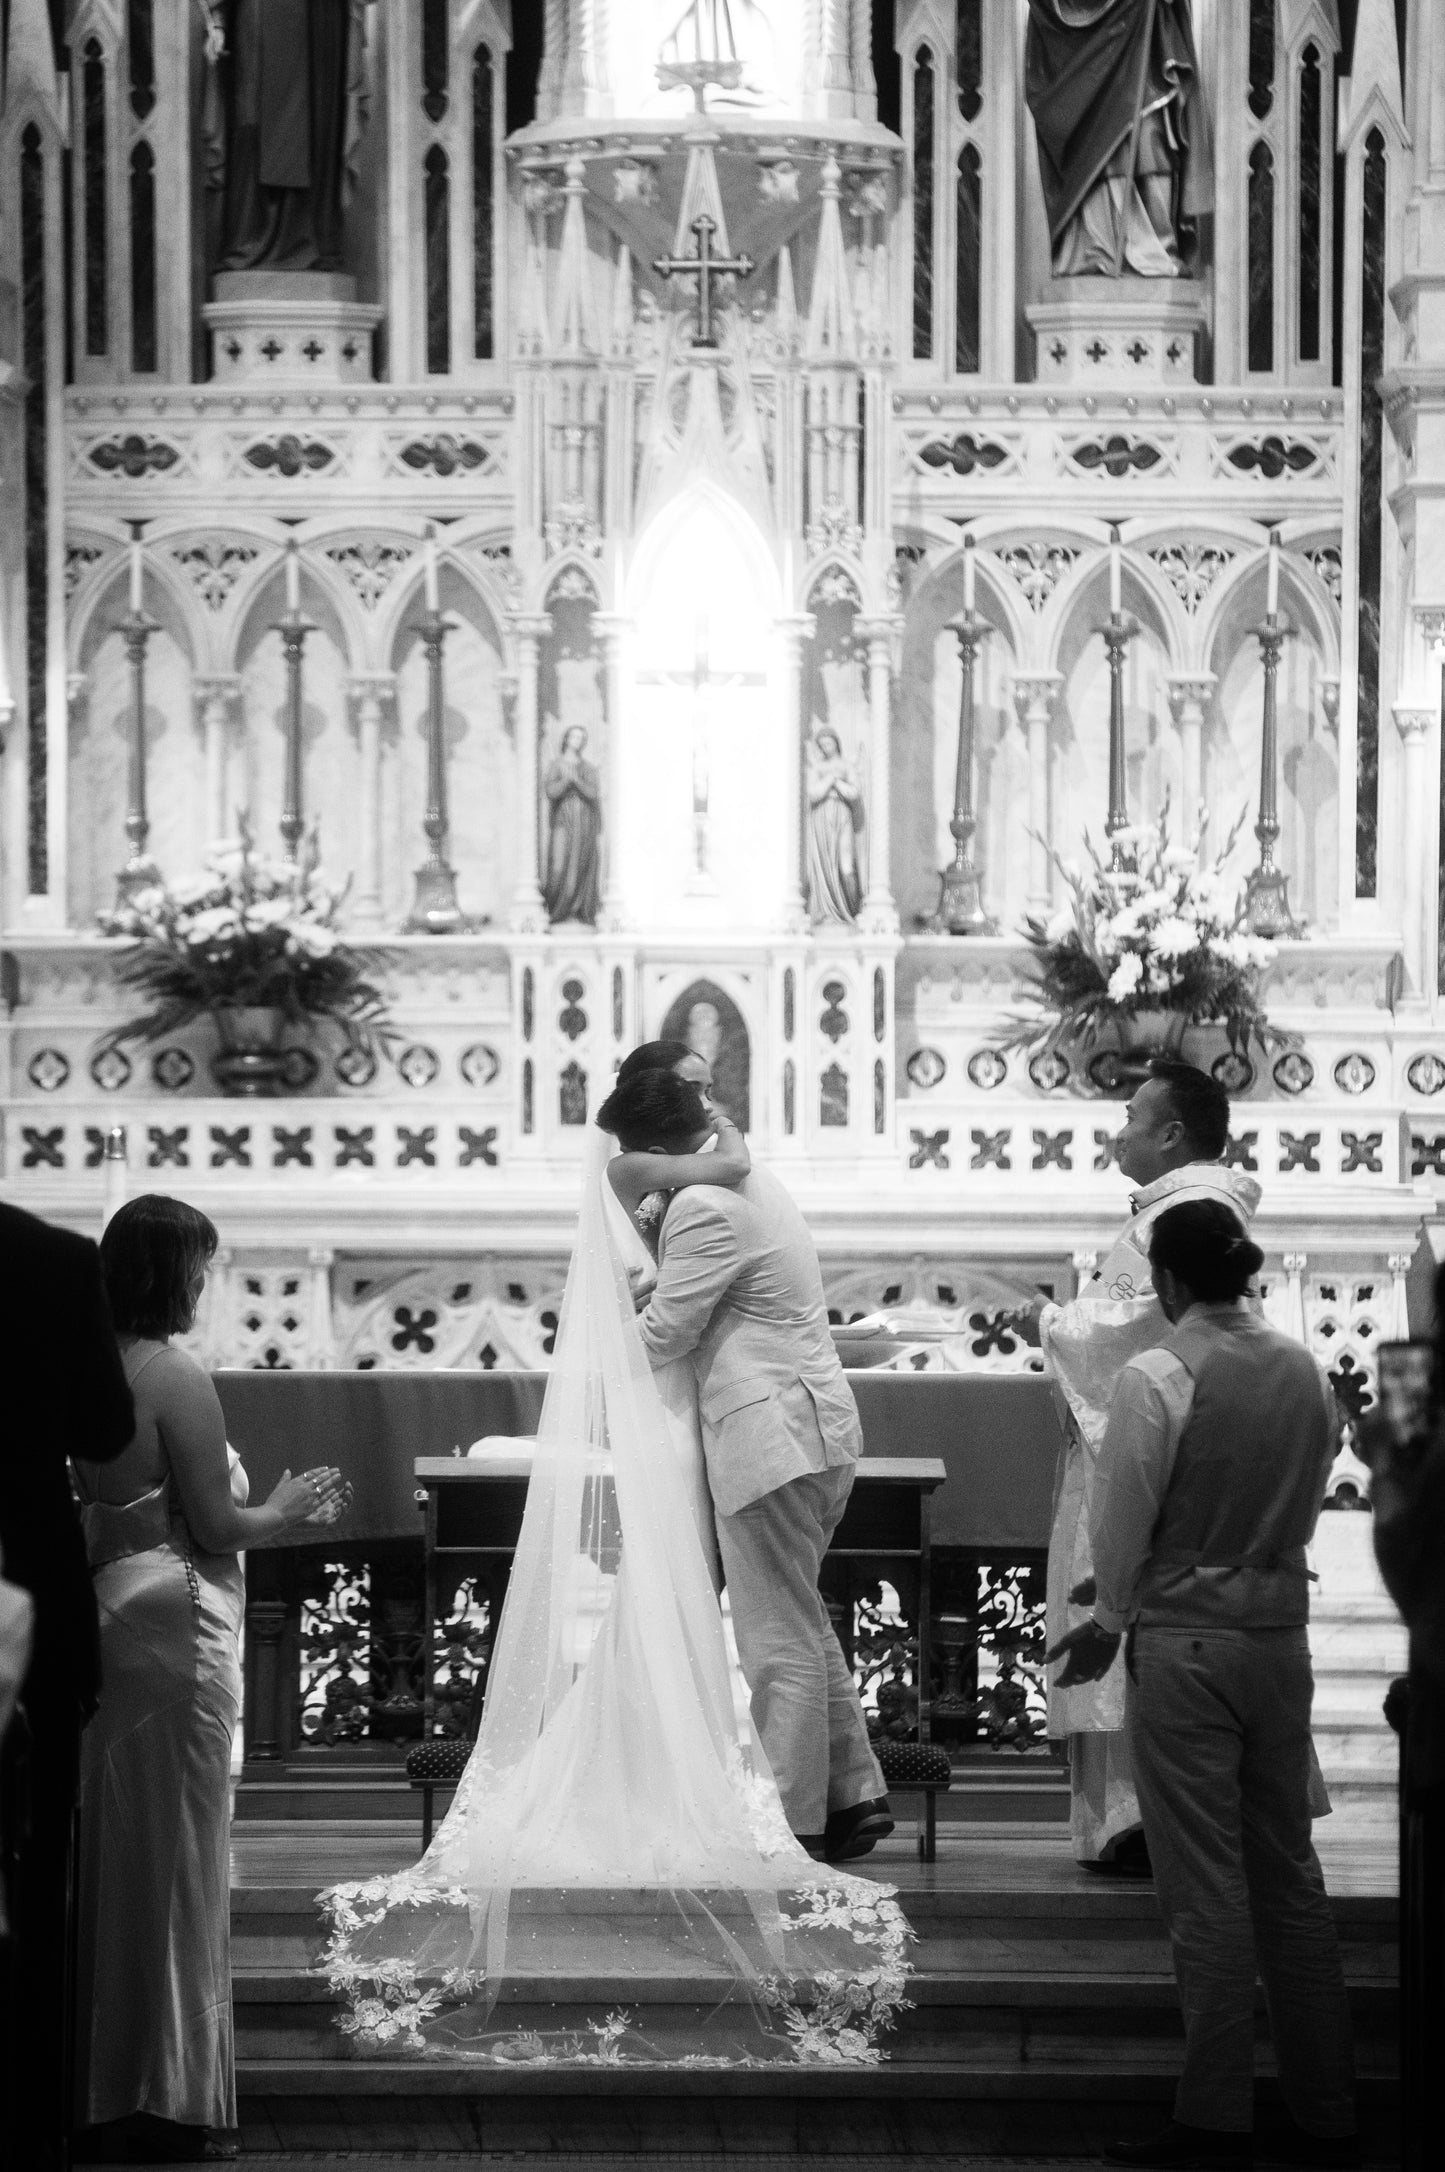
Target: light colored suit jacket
[{"x": 739, "y": 1292}]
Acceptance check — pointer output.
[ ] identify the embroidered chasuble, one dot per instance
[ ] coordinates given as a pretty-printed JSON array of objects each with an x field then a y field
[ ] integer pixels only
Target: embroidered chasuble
[{"x": 1088, "y": 1343}]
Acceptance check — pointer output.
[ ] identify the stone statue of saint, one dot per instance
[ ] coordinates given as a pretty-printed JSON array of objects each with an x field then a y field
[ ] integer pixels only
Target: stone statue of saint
[
  {"x": 572, "y": 885},
  {"x": 835, "y": 824},
  {"x": 293, "y": 99},
  {"x": 1113, "y": 86}
]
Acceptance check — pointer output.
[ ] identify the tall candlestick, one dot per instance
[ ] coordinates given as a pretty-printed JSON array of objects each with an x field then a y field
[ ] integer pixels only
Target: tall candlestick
[
  {"x": 435, "y": 910},
  {"x": 1116, "y": 575},
  {"x": 1271, "y": 603},
  {"x": 136, "y": 567},
  {"x": 293, "y": 579},
  {"x": 960, "y": 897},
  {"x": 1118, "y": 633},
  {"x": 293, "y": 629},
  {"x": 968, "y": 580},
  {"x": 1266, "y": 891},
  {"x": 432, "y": 603},
  {"x": 140, "y": 870}
]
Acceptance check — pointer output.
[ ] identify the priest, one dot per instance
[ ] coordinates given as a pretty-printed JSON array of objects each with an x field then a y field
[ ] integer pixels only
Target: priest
[{"x": 1175, "y": 1133}]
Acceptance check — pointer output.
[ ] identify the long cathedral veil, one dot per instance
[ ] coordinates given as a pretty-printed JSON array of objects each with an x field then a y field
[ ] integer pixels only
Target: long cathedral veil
[{"x": 615, "y": 1878}]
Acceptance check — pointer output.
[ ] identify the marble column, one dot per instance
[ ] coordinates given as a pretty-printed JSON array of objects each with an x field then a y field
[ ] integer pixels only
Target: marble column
[
  {"x": 528, "y": 914},
  {"x": 1414, "y": 725},
  {"x": 613, "y": 629},
  {"x": 370, "y": 690},
  {"x": 1189, "y": 694},
  {"x": 1035, "y": 693},
  {"x": 214, "y": 696},
  {"x": 880, "y": 913},
  {"x": 794, "y": 629}
]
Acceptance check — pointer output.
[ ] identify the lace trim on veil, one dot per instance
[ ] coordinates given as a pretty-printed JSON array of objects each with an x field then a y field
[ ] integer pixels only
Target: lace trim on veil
[{"x": 615, "y": 1880}]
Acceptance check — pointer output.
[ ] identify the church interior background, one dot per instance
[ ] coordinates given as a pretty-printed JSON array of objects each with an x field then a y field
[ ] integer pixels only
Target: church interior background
[{"x": 701, "y": 544}]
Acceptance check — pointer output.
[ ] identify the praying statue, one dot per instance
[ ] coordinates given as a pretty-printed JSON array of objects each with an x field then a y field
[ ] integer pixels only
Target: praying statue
[
  {"x": 572, "y": 885},
  {"x": 1113, "y": 86},
  {"x": 293, "y": 98},
  {"x": 835, "y": 824}
]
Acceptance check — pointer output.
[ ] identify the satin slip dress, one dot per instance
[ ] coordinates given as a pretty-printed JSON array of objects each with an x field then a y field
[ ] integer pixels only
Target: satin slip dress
[{"x": 154, "y": 2028}]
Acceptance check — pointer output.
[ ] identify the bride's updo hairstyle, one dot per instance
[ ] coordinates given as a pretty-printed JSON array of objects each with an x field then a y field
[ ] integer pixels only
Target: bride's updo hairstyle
[
  {"x": 1203, "y": 1245},
  {"x": 651, "y": 1056},
  {"x": 653, "y": 1108}
]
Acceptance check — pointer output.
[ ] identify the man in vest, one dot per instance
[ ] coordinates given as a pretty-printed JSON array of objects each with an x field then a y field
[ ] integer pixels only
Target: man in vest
[
  {"x": 1208, "y": 1488},
  {"x": 1175, "y": 1130}
]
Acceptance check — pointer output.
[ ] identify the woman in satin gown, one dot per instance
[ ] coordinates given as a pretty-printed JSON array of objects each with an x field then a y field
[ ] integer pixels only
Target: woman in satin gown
[{"x": 163, "y": 1524}]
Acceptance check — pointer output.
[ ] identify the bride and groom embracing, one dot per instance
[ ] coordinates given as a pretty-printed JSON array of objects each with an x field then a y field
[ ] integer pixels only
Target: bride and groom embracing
[
  {"x": 735, "y": 1327},
  {"x": 632, "y": 1868}
]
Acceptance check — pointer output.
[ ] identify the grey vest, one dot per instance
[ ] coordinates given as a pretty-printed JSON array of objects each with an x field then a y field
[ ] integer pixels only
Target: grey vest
[{"x": 1249, "y": 1475}]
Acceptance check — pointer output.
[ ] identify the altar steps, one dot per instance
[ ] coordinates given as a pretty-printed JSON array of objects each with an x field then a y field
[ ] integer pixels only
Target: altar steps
[
  {"x": 1033, "y": 1980},
  {"x": 368, "y": 1783}
]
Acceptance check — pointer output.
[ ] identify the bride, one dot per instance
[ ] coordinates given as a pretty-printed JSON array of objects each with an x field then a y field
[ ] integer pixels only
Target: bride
[{"x": 615, "y": 1879}]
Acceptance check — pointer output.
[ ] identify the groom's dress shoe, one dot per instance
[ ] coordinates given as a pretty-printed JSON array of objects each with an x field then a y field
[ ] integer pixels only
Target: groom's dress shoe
[
  {"x": 852, "y": 1832},
  {"x": 815, "y": 1844}
]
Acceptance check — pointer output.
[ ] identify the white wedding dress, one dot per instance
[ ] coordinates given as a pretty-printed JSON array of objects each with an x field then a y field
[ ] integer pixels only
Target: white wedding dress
[{"x": 615, "y": 1879}]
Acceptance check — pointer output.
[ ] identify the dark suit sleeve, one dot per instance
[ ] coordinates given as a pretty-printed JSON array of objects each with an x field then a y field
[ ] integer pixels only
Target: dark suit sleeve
[{"x": 99, "y": 1411}]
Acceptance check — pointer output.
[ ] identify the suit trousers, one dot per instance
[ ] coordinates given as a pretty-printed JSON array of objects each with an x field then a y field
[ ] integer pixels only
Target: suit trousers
[
  {"x": 1219, "y": 1727},
  {"x": 804, "y": 1703}
]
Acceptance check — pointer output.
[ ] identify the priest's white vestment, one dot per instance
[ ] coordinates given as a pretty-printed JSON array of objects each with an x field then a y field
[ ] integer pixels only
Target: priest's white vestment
[{"x": 1088, "y": 1343}]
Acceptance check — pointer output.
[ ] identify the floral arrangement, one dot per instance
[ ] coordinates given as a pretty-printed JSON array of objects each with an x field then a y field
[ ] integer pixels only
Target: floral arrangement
[
  {"x": 246, "y": 932},
  {"x": 1166, "y": 933}
]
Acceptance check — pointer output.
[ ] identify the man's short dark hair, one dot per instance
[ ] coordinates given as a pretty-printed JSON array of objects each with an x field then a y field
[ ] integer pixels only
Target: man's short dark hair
[
  {"x": 652, "y": 1056},
  {"x": 150, "y": 1253},
  {"x": 1198, "y": 1102},
  {"x": 653, "y": 1108}
]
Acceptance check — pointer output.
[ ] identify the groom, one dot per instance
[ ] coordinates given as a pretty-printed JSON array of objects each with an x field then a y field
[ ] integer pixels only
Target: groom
[{"x": 739, "y": 1293}]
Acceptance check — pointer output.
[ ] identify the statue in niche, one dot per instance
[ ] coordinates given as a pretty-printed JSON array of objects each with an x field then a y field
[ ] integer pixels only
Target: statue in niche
[
  {"x": 707, "y": 1019},
  {"x": 1113, "y": 87},
  {"x": 282, "y": 134},
  {"x": 572, "y": 885},
  {"x": 835, "y": 829}
]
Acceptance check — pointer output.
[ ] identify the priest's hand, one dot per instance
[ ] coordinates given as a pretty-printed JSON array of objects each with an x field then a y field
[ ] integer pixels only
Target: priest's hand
[
  {"x": 1090, "y": 1653},
  {"x": 1026, "y": 1323}
]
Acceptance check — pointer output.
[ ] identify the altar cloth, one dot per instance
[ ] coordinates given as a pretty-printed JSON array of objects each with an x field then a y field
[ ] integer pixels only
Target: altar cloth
[{"x": 996, "y": 1433}]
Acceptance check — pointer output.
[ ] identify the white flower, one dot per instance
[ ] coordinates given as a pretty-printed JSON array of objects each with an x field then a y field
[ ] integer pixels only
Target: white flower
[
  {"x": 1173, "y": 938},
  {"x": 1243, "y": 950},
  {"x": 187, "y": 890},
  {"x": 1179, "y": 857},
  {"x": 1061, "y": 925},
  {"x": 209, "y": 927},
  {"x": 270, "y": 913},
  {"x": 1126, "y": 976},
  {"x": 317, "y": 941}
]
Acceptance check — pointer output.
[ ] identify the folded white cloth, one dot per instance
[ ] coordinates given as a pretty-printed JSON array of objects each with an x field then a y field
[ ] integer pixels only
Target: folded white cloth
[{"x": 502, "y": 1448}]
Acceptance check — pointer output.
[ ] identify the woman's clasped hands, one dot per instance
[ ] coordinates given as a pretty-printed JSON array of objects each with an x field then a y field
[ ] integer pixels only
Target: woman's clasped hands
[{"x": 318, "y": 1497}]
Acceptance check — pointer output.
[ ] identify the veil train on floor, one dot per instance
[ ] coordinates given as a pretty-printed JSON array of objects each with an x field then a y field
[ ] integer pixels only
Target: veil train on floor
[{"x": 615, "y": 1879}]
